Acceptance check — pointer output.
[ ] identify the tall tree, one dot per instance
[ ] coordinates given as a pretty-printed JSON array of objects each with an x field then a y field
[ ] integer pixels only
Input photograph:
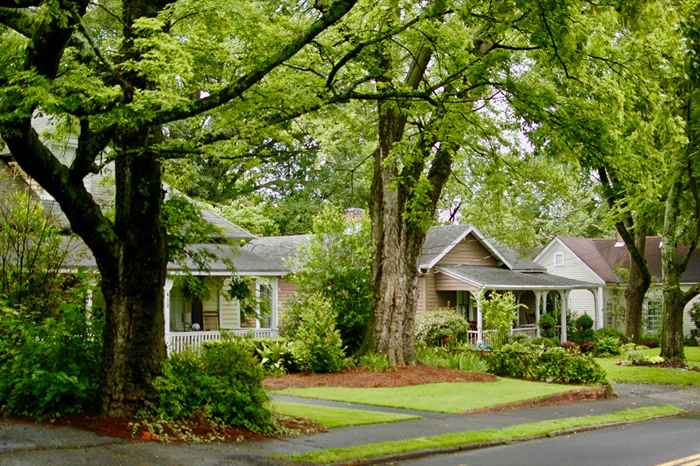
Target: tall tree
[{"x": 120, "y": 72}]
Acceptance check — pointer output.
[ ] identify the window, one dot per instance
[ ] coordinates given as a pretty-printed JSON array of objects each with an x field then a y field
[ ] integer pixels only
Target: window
[
  {"x": 558, "y": 259},
  {"x": 652, "y": 316},
  {"x": 265, "y": 304}
]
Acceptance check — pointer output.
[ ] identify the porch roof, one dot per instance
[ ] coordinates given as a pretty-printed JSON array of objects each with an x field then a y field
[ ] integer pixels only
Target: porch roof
[{"x": 504, "y": 279}]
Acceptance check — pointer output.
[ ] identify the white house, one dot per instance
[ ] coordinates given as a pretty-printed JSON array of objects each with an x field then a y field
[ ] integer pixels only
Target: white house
[{"x": 605, "y": 262}]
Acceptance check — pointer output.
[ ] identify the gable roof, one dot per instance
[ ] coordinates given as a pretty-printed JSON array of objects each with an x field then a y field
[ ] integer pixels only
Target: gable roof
[
  {"x": 604, "y": 256},
  {"x": 278, "y": 250},
  {"x": 440, "y": 240}
]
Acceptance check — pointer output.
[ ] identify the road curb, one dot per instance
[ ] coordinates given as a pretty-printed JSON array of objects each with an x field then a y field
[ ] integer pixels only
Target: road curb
[{"x": 478, "y": 446}]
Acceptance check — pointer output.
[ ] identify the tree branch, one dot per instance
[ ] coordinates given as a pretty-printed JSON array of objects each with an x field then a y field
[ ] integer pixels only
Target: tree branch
[
  {"x": 17, "y": 20},
  {"x": 333, "y": 14}
]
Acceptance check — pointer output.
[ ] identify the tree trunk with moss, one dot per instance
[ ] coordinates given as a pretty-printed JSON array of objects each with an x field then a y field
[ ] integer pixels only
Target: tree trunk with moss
[{"x": 637, "y": 287}]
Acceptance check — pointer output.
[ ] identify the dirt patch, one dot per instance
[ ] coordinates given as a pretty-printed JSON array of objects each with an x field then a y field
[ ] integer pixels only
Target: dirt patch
[
  {"x": 588, "y": 393},
  {"x": 364, "y": 378}
]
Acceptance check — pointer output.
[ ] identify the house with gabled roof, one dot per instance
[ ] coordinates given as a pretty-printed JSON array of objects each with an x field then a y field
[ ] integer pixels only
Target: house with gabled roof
[{"x": 606, "y": 261}]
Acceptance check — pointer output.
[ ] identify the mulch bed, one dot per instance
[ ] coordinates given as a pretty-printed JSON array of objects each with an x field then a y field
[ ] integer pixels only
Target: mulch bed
[
  {"x": 201, "y": 429},
  {"x": 364, "y": 378},
  {"x": 588, "y": 393}
]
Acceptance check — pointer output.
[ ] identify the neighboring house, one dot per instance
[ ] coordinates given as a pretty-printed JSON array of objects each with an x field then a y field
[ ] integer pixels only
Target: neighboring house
[{"x": 606, "y": 262}]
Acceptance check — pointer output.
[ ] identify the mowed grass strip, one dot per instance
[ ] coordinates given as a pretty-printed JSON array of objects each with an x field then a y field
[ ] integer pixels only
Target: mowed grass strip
[
  {"x": 483, "y": 437},
  {"x": 644, "y": 374},
  {"x": 439, "y": 397},
  {"x": 332, "y": 417}
]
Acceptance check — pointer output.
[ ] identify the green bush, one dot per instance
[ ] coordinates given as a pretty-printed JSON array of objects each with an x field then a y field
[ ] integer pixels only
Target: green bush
[
  {"x": 223, "y": 381},
  {"x": 317, "y": 345},
  {"x": 651, "y": 341},
  {"x": 500, "y": 311},
  {"x": 276, "y": 356},
  {"x": 583, "y": 329},
  {"x": 50, "y": 368},
  {"x": 336, "y": 263},
  {"x": 548, "y": 326},
  {"x": 609, "y": 332},
  {"x": 374, "y": 361},
  {"x": 547, "y": 342},
  {"x": 607, "y": 346},
  {"x": 441, "y": 326},
  {"x": 460, "y": 357},
  {"x": 527, "y": 361},
  {"x": 514, "y": 360}
]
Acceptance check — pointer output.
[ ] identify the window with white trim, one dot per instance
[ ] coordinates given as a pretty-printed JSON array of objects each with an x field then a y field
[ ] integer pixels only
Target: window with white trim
[
  {"x": 652, "y": 316},
  {"x": 558, "y": 259}
]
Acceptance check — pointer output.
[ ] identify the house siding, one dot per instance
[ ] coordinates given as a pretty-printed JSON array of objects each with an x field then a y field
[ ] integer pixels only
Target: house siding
[
  {"x": 433, "y": 299},
  {"x": 469, "y": 252},
  {"x": 210, "y": 306},
  {"x": 229, "y": 309},
  {"x": 285, "y": 291},
  {"x": 580, "y": 301}
]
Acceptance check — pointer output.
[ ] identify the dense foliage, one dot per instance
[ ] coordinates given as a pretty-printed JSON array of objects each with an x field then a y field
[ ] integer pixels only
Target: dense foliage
[
  {"x": 336, "y": 265},
  {"x": 461, "y": 357},
  {"x": 500, "y": 311},
  {"x": 223, "y": 381},
  {"x": 549, "y": 364},
  {"x": 51, "y": 367},
  {"x": 441, "y": 326},
  {"x": 316, "y": 342}
]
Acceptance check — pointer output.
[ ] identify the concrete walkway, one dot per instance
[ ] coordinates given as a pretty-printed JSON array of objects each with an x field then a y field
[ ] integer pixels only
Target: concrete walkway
[{"x": 31, "y": 444}]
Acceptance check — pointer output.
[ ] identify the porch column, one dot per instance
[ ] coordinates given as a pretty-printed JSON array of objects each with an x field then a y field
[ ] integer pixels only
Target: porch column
[
  {"x": 274, "y": 319},
  {"x": 600, "y": 306},
  {"x": 564, "y": 294},
  {"x": 479, "y": 320},
  {"x": 538, "y": 298},
  {"x": 257, "y": 303},
  {"x": 166, "y": 311}
]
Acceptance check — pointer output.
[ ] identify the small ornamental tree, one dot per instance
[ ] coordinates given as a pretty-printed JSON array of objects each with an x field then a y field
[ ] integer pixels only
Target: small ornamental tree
[
  {"x": 336, "y": 265},
  {"x": 500, "y": 310}
]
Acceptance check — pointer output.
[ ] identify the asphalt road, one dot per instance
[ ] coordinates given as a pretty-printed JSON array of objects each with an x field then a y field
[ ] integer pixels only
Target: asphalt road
[{"x": 647, "y": 444}]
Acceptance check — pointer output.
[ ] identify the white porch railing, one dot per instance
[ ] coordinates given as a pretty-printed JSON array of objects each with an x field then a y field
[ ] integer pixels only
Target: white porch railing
[
  {"x": 490, "y": 336},
  {"x": 180, "y": 341}
]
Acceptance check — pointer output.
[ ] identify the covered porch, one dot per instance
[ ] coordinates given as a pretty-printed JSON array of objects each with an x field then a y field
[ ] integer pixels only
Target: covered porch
[
  {"x": 193, "y": 318},
  {"x": 462, "y": 287}
]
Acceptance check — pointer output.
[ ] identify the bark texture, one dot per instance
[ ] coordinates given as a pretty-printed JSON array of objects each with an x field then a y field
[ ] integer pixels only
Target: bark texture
[{"x": 637, "y": 287}]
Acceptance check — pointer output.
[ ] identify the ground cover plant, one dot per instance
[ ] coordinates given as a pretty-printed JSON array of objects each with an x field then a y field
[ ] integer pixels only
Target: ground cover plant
[
  {"x": 484, "y": 437},
  {"x": 333, "y": 417},
  {"x": 439, "y": 397}
]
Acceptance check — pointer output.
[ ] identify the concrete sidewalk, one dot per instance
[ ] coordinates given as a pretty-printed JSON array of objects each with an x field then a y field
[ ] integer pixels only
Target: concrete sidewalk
[{"x": 31, "y": 444}]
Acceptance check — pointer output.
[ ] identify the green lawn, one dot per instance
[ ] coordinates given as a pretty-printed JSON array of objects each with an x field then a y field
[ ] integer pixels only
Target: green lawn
[
  {"x": 331, "y": 417},
  {"x": 466, "y": 439},
  {"x": 439, "y": 397},
  {"x": 641, "y": 374},
  {"x": 692, "y": 354}
]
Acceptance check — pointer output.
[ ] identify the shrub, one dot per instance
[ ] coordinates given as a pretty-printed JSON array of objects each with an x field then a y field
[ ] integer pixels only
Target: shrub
[
  {"x": 500, "y": 310},
  {"x": 690, "y": 341},
  {"x": 336, "y": 264},
  {"x": 638, "y": 358},
  {"x": 587, "y": 347},
  {"x": 561, "y": 366},
  {"x": 374, "y": 361},
  {"x": 542, "y": 341},
  {"x": 49, "y": 368},
  {"x": 223, "y": 381},
  {"x": 609, "y": 332},
  {"x": 583, "y": 327},
  {"x": 651, "y": 341},
  {"x": 458, "y": 357},
  {"x": 569, "y": 346},
  {"x": 519, "y": 338},
  {"x": 317, "y": 344},
  {"x": 276, "y": 356},
  {"x": 607, "y": 346},
  {"x": 545, "y": 363},
  {"x": 440, "y": 326},
  {"x": 514, "y": 360},
  {"x": 548, "y": 326}
]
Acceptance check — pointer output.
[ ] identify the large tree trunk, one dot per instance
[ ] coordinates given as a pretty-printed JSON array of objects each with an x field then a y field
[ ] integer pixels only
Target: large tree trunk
[
  {"x": 637, "y": 287},
  {"x": 134, "y": 330},
  {"x": 671, "y": 340}
]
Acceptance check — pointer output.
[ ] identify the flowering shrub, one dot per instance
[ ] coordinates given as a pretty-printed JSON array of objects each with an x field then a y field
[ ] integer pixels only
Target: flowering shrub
[{"x": 440, "y": 326}]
